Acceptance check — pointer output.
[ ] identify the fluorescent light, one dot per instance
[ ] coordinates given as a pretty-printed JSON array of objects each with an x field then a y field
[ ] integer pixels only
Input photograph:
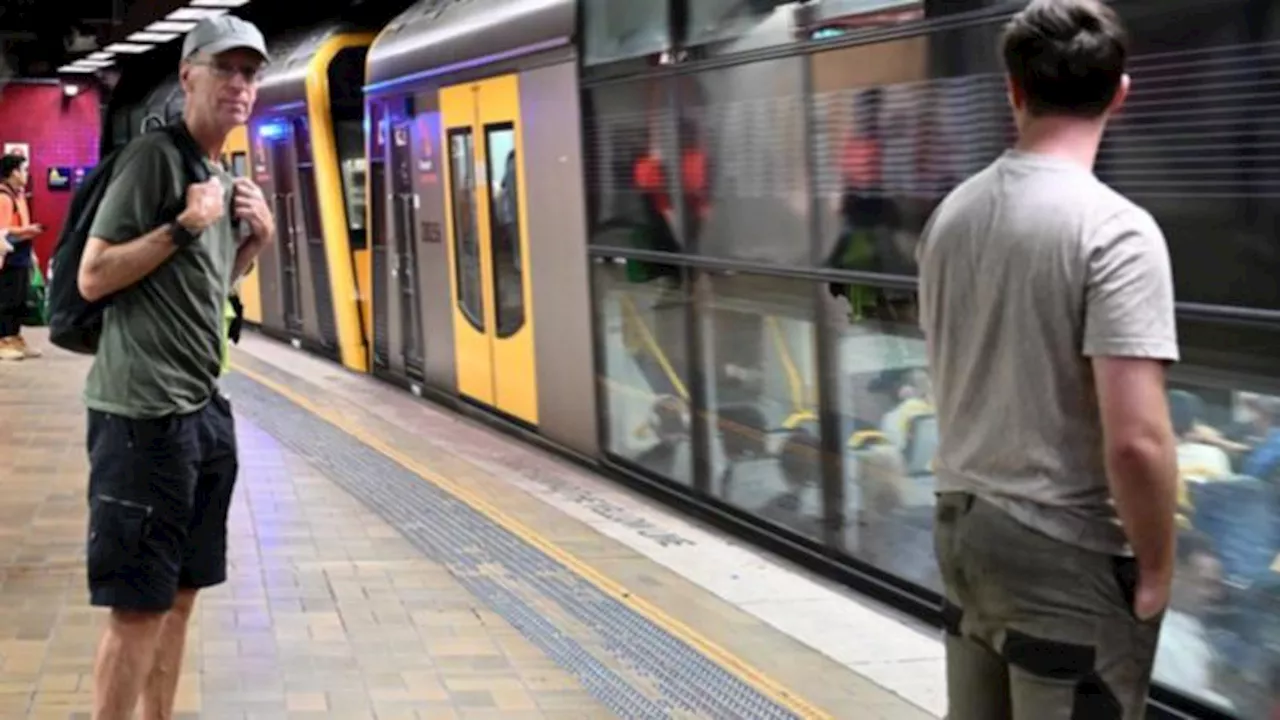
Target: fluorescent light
[
  {"x": 152, "y": 37},
  {"x": 219, "y": 3},
  {"x": 168, "y": 26},
  {"x": 128, "y": 47},
  {"x": 100, "y": 56},
  {"x": 85, "y": 62},
  {"x": 76, "y": 69},
  {"x": 190, "y": 13}
]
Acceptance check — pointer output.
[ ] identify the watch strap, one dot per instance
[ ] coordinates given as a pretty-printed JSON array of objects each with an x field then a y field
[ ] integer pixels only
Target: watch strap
[{"x": 182, "y": 236}]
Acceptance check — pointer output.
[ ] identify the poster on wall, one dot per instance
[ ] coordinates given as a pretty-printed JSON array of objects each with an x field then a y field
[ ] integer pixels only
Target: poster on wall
[
  {"x": 59, "y": 178},
  {"x": 22, "y": 149}
]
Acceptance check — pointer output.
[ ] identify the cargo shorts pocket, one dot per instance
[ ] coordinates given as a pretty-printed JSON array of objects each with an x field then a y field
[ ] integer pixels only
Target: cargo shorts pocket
[{"x": 117, "y": 532}]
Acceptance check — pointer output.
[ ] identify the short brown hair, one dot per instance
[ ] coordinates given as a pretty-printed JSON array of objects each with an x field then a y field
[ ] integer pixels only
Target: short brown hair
[{"x": 1067, "y": 56}]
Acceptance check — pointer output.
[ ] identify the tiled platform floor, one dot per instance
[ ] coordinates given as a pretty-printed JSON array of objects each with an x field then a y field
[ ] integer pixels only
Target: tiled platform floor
[{"x": 331, "y": 611}]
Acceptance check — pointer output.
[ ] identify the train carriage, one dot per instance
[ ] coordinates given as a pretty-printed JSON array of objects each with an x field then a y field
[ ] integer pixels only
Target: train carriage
[{"x": 674, "y": 239}]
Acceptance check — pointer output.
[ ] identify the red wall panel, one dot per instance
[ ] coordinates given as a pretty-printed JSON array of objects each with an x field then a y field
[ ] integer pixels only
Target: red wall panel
[{"x": 60, "y": 131}]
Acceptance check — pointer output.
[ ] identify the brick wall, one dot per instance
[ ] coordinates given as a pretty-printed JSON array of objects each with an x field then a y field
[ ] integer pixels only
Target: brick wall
[{"x": 60, "y": 132}]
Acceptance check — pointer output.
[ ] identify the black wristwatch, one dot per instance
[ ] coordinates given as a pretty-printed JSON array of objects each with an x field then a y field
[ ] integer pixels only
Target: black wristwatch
[{"x": 182, "y": 236}]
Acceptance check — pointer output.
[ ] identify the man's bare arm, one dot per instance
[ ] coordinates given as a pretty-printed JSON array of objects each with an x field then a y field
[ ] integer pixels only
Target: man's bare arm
[
  {"x": 1142, "y": 467},
  {"x": 246, "y": 254},
  {"x": 107, "y": 268}
]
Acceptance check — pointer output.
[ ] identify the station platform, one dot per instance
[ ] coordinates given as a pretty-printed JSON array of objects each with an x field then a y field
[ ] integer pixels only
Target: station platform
[{"x": 390, "y": 559}]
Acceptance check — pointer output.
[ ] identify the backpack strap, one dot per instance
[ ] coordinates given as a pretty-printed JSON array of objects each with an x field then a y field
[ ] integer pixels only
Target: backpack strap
[
  {"x": 194, "y": 169},
  {"x": 192, "y": 157}
]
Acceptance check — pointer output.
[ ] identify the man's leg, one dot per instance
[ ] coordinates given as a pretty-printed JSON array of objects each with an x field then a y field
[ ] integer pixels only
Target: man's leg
[
  {"x": 977, "y": 677},
  {"x": 141, "y": 479},
  {"x": 161, "y": 688},
  {"x": 124, "y": 657},
  {"x": 204, "y": 561}
]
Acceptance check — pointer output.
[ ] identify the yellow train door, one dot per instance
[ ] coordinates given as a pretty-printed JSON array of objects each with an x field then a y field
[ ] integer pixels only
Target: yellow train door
[{"x": 489, "y": 245}]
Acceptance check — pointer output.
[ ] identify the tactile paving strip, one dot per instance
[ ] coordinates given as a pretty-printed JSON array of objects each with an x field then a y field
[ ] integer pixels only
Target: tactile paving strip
[{"x": 668, "y": 678}]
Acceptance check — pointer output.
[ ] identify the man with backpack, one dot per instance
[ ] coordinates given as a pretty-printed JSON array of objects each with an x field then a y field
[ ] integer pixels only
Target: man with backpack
[{"x": 162, "y": 252}]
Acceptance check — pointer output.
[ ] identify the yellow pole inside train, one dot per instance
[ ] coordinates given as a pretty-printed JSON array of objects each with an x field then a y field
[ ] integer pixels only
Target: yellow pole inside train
[{"x": 337, "y": 245}]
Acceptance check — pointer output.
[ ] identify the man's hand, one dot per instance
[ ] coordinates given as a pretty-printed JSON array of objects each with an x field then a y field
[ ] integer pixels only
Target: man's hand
[
  {"x": 251, "y": 206},
  {"x": 204, "y": 205}
]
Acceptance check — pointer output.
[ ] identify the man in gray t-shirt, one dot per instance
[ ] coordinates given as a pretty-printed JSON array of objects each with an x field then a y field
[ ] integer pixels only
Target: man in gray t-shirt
[{"x": 1046, "y": 299}]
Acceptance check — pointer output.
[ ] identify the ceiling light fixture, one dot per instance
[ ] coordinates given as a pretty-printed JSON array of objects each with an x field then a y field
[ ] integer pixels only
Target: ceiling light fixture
[
  {"x": 192, "y": 13},
  {"x": 169, "y": 26},
  {"x": 151, "y": 37},
  {"x": 219, "y": 3},
  {"x": 85, "y": 62},
  {"x": 100, "y": 56},
  {"x": 76, "y": 69},
  {"x": 127, "y": 48}
]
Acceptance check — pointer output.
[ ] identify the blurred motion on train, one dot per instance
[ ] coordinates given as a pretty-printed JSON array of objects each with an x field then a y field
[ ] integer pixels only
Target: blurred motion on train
[{"x": 677, "y": 237}]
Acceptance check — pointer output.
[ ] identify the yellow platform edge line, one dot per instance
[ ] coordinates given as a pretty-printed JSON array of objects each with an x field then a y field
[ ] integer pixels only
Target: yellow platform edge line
[{"x": 727, "y": 660}]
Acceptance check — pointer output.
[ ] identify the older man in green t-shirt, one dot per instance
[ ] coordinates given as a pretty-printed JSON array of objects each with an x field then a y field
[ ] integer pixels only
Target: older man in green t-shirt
[{"x": 161, "y": 439}]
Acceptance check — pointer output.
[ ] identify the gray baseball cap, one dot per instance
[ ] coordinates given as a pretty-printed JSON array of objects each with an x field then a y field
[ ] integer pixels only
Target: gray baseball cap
[{"x": 222, "y": 33}]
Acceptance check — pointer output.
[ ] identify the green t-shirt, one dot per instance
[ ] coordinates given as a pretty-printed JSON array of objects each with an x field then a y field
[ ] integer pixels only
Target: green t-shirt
[{"x": 161, "y": 346}]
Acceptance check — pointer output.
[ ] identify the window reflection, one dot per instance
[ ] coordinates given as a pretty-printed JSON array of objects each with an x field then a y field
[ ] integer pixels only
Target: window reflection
[
  {"x": 462, "y": 184},
  {"x": 889, "y": 432},
  {"x": 640, "y": 323},
  {"x": 352, "y": 168},
  {"x": 504, "y": 227},
  {"x": 1221, "y": 640},
  {"x": 761, "y": 398},
  {"x": 743, "y": 149},
  {"x": 720, "y": 27},
  {"x": 628, "y": 147},
  {"x": 623, "y": 30}
]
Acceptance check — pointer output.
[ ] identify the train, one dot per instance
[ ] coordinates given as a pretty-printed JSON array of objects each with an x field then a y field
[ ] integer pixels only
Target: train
[{"x": 674, "y": 240}]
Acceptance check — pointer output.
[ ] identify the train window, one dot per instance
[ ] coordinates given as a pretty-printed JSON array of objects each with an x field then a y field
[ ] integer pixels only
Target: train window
[
  {"x": 719, "y": 27},
  {"x": 629, "y": 196},
  {"x": 352, "y": 166},
  {"x": 465, "y": 221},
  {"x": 504, "y": 228},
  {"x": 745, "y": 187},
  {"x": 899, "y": 124},
  {"x": 1228, "y": 546},
  {"x": 895, "y": 129},
  {"x": 888, "y": 431},
  {"x": 761, "y": 399},
  {"x": 644, "y": 375},
  {"x": 625, "y": 30}
]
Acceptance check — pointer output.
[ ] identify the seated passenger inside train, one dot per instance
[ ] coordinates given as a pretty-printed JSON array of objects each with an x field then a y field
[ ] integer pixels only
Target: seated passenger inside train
[
  {"x": 1198, "y": 461},
  {"x": 1263, "y": 460},
  {"x": 800, "y": 463}
]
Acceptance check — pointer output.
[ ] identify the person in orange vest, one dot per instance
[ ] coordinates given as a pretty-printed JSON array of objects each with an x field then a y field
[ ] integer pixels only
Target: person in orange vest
[{"x": 16, "y": 234}]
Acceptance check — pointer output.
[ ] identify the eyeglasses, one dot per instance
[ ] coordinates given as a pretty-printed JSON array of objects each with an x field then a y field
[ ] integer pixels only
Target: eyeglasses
[{"x": 224, "y": 70}]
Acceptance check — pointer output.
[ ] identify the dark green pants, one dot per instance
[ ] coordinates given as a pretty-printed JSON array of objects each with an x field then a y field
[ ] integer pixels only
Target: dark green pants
[{"x": 1037, "y": 628}]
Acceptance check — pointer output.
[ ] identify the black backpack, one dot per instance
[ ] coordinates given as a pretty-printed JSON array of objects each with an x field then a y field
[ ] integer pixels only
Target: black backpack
[{"x": 75, "y": 324}]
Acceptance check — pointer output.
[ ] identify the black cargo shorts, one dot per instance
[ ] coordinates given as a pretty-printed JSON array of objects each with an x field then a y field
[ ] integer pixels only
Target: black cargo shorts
[{"x": 159, "y": 493}]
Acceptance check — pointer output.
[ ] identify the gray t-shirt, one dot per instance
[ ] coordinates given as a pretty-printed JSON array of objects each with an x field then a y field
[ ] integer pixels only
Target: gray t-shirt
[
  {"x": 161, "y": 347},
  {"x": 1027, "y": 270}
]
